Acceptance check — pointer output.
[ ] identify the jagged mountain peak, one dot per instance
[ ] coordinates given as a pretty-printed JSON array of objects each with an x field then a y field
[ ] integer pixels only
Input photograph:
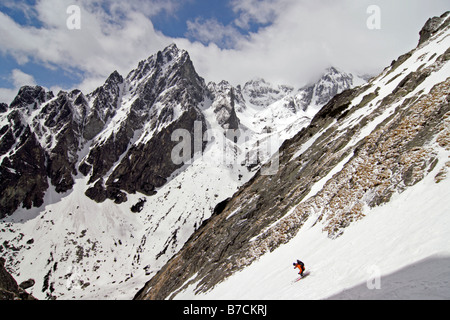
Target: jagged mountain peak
[
  {"x": 334, "y": 74},
  {"x": 171, "y": 71},
  {"x": 115, "y": 77},
  {"x": 29, "y": 95},
  {"x": 173, "y": 52},
  {"x": 163, "y": 60},
  {"x": 332, "y": 82},
  {"x": 262, "y": 93},
  {"x": 432, "y": 26}
]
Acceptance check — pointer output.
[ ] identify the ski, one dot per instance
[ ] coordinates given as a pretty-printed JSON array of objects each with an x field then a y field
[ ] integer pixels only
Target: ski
[{"x": 307, "y": 273}]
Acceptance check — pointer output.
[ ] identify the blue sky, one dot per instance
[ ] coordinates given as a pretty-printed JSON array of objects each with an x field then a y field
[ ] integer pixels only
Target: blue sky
[
  {"x": 284, "y": 41},
  {"x": 175, "y": 25},
  {"x": 171, "y": 24},
  {"x": 171, "y": 20}
]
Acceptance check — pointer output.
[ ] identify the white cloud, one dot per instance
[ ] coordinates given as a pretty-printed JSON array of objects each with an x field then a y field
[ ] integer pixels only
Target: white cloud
[
  {"x": 305, "y": 37},
  {"x": 257, "y": 11},
  {"x": 18, "y": 78},
  {"x": 211, "y": 30},
  {"x": 300, "y": 40},
  {"x": 116, "y": 40}
]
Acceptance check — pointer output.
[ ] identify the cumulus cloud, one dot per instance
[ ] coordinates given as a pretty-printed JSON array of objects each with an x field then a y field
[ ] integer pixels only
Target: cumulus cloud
[
  {"x": 114, "y": 35},
  {"x": 212, "y": 31},
  {"x": 18, "y": 79},
  {"x": 257, "y": 11},
  {"x": 305, "y": 37},
  {"x": 295, "y": 41}
]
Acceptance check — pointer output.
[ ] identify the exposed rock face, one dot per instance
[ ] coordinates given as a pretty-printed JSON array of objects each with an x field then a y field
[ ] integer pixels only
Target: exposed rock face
[
  {"x": 432, "y": 26},
  {"x": 42, "y": 137},
  {"x": 23, "y": 170},
  {"x": 262, "y": 94},
  {"x": 9, "y": 290},
  {"x": 165, "y": 93},
  {"x": 225, "y": 99},
  {"x": 3, "y": 107},
  {"x": 365, "y": 145},
  {"x": 331, "y": 83},
  {"x": 105, "y": 101},
  {"x": 147, "y": 166}
]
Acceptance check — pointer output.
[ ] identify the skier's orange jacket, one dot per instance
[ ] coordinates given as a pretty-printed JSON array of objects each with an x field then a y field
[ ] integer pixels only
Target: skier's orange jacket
[{"x": 299, "y": 266}]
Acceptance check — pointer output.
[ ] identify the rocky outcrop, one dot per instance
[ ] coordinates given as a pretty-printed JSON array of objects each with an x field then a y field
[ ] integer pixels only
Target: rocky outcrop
[
  {"x": 3, "y": 107},
  {"x": 23, "y": 168},
  {"x": 225, "y": 99},
  {"x": 433, "y": 25},
  {"x": 330, "y": 84},
  {"x": 9, "y": 289},
  {"x": 105, "y": 101},
  {"x": 142, "y": 169},
  {"x": 23, "y": 175},
  {"x": 262, "y": 93},
  {"x": 41, "y": 136}
]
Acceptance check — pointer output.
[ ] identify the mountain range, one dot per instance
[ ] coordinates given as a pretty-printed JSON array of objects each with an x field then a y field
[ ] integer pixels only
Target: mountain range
[{"x": 161, "y": 177}]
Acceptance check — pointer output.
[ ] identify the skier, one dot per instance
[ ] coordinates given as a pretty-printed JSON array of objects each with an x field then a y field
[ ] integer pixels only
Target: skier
[{"x": 301, "y": 266}]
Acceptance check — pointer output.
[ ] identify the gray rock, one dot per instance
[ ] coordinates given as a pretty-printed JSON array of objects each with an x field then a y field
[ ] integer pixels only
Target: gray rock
[
  {"x": 27, "y": 284},
  {"x": 432, "y": 26},
  {"x": 9, "y": 290}
]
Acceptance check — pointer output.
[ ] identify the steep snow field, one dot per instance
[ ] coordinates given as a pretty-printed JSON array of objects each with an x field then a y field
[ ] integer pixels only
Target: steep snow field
[{"x": 400, "y": 250}]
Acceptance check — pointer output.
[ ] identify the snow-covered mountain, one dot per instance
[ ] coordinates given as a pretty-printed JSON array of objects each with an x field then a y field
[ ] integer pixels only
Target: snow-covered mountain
[
  {"x": 361, "y": 196},
  {"x": 93, "y": 203}
]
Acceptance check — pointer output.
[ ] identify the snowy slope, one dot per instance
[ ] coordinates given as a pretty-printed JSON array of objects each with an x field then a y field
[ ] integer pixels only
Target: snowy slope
[
  {"x": 407, "y": 232},
  {"x": 400, "y": 250},
  {"x": 374, "y": 213}
]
